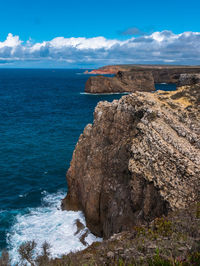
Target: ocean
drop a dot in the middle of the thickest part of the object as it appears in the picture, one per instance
(42, 114)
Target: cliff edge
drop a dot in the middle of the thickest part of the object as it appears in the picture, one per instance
(131, 78)
(139, 159)
(121, 82)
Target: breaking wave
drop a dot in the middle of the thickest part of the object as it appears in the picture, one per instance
(48, 223)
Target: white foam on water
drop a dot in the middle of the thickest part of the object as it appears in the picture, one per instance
(48, 223)
(22, 195)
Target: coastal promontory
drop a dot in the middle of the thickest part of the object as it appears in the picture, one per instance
(121, 82)
(131, 78)
(139, 160)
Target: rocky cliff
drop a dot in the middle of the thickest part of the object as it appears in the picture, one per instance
(172, 75)
(122, 82)
(113, 69)
(139, 159)
(188, 79)
(130, 78)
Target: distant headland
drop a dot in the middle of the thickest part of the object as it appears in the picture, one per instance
(130, 78)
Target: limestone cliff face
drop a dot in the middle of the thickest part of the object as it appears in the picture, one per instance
(130, 78)
(121, 82)
(113, 69)
(172, 75)
(139, 158)
(189, 79)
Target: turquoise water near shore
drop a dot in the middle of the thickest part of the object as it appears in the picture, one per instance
(42, 113)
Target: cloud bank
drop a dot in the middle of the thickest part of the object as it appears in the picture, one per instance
(159, 47)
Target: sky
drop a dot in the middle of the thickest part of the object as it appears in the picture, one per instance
(89, 34)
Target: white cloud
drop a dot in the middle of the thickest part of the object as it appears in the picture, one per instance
(11, 41)
(159, 47)
(82, 43)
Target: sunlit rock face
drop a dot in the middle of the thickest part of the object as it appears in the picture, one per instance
(122, 82)
(131, 78)
(139, 158)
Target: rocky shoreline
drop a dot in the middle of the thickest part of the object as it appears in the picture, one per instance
(135, 175)
(138, 161)
(171, 240)
(139, 78)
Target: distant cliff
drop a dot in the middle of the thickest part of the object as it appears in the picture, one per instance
(188, 79)
(130, 78)
(139, 159)
(121, 82)
(113, 69)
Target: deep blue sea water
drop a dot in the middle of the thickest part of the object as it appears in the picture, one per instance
(42, 113)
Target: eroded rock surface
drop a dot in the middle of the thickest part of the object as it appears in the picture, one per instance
(130, 78)
(122, 82)
(188, 79)
(139, 158)
(113, 69)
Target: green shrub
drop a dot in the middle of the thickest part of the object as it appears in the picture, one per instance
(163, 227)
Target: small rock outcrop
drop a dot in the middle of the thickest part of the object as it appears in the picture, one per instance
(122, 82)
(139, 159)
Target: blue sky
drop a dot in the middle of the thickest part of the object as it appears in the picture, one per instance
(43, 21)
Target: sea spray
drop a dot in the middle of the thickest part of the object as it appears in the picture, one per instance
(48, 223)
